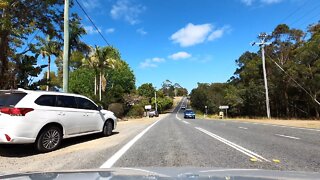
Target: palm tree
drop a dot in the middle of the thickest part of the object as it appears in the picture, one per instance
(100, 59)
(48, 49)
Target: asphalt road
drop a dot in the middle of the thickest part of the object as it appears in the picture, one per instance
(172, 141)
(178, 142)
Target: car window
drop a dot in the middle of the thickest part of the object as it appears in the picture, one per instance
(46, 100)
(8, 99)
(66, 101)
(85, 104)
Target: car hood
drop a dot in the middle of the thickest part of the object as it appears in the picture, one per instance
(166, 173)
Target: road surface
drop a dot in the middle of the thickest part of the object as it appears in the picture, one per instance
(172, 141)
(175, 141)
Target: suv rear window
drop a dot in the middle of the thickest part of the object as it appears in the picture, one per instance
(10, 99)
(46, 100)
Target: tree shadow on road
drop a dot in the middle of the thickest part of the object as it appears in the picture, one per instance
(24, 150)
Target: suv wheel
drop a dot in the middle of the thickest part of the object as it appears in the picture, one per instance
(49, 139)
(107, 128)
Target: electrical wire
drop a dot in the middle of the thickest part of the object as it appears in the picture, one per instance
(92, 22)
(293, 80)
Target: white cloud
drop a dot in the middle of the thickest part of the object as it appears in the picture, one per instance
(126, 10)
(91, 29)
(158, 60)
(247, 2)
(218, 33)
(180, 55)
(141, 31)
(191, 34)
(110, 30)
(90, 5)
(196, 34)
(268, 2)
(151, 63)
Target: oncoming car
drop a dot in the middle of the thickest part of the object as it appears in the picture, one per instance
(188, 113)
(45, 118)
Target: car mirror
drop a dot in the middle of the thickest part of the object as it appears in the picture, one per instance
(99, 108)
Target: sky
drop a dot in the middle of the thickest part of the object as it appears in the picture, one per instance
(188, 41)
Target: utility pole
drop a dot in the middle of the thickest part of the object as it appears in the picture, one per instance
(66, 47)
(262, 44)
(155, 100)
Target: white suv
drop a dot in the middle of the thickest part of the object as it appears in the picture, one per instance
(45, 118)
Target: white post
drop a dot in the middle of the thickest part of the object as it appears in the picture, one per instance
(265, 81)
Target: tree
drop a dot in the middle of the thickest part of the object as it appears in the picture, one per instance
(101, 59)
(49, 48)
(146, 90)
(121, 80)
(81, 82)
(21, 19)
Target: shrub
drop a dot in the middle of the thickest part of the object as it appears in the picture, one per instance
(117, 109)
(136, 111)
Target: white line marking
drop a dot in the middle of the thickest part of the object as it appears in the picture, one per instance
(177, 115)
(242, 128)
(113, 159)
(291, 137)
(235, 146)
(186, 122)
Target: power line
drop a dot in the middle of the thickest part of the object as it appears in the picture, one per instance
(305, 14)
(92, 22)
(293, 80)
(28, 42)
(293, 12)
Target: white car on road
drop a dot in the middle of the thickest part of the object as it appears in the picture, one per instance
(45, 118)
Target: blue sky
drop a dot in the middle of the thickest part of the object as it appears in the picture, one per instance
(188, 41)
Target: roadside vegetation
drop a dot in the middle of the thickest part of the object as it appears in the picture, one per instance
(297, 52)
(31, 36)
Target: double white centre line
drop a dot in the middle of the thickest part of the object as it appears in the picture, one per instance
(235, 146)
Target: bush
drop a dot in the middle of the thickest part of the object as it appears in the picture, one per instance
(117, 109)
(136, 111)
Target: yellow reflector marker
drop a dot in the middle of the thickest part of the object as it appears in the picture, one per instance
(253, 160)
(276, 160)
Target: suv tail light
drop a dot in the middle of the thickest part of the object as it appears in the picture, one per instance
(16, 111)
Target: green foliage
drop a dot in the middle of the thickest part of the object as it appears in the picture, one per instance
(164, 103)
(146, 90)
(81, 81)
(120, 81)
(297, 53)
(136, 111)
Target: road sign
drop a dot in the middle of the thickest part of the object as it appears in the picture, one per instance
(223, 107)
(147, 107)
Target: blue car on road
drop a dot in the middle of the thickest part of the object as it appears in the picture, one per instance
(188, 113)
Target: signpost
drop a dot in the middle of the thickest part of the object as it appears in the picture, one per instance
(147, 107)
(206, 107)
(226, 108)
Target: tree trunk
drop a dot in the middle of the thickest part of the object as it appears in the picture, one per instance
(48, 73)
(286, 99)
(317, 113)
(4, 44)
(100, 86)
(95, 85)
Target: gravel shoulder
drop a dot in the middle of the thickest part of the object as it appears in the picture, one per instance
(84, 152)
